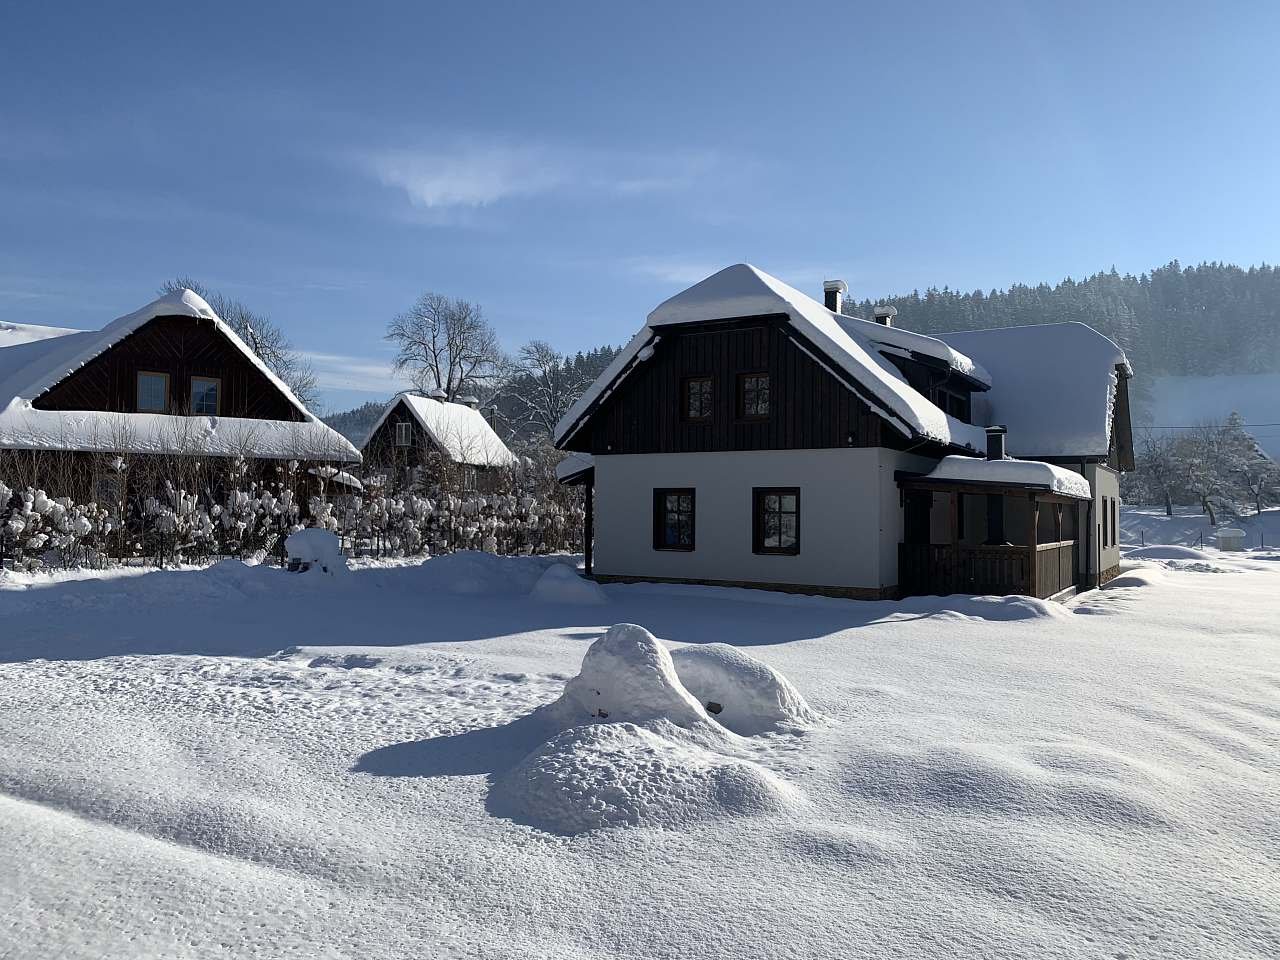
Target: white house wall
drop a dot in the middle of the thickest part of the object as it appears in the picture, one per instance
(850, 516)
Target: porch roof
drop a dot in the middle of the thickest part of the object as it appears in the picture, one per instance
(977, 475)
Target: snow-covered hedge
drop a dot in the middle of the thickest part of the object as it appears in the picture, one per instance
(193, 517)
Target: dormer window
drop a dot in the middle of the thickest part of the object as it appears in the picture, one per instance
(404, 433)
(153, 392)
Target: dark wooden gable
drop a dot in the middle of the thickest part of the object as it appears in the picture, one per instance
(809, 407)
(181, 348)
(380, 449)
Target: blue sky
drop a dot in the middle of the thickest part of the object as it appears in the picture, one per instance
(571, 165)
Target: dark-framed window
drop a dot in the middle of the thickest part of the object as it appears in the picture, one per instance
(1115, 521)
(753, 396)
(153, 392)
(206, 396)
(673, 518)
(776, 520)
(696, 397)
(404, 433)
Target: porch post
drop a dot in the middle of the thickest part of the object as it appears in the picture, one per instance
(1033, 568)
(588, 523)
(1057, 523)
(954, 521)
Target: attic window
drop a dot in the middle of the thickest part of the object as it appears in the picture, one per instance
(153, 392)
(205, 396)
(697, 399)
(753, 396)
(404, 433)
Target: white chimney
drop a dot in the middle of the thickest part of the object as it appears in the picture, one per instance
(833, 292)
(884, 314)
(470, 401)
(438, 394)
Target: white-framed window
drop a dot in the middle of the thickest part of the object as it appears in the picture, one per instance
(153, 392)
(404, 433)
(205, 394)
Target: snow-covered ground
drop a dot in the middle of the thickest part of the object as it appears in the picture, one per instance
(240, 762)
(1149, 525)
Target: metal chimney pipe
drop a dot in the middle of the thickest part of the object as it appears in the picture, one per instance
(995, 442)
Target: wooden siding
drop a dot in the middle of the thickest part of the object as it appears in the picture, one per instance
(181, 348)
(380, 449)
(809, 407)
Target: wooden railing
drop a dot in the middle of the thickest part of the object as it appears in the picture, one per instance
(1056, 566)
(940, 568)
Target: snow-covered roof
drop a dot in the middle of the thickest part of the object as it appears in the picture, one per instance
(11, 334)
(894, 341)
(456, 429)
(1010, 472)
(745, 291)
(34, 364)
(1053, 386)
(334, 475)
(574, 465)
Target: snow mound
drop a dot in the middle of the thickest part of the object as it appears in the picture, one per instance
(473, 572)
(745, 695)
(962, 607)
(627, 676)
(561, 583)
(623, 775)
(1167, 552)
(319, 550)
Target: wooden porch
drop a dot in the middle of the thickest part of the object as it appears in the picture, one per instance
(1042, 570)
(943, 558)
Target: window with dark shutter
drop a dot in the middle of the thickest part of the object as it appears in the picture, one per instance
(673, 518)
(776, 527)
(753, 396)
(697, 399)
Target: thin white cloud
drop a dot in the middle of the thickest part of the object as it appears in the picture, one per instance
(479, 174)
(335, 371)
(468, 176)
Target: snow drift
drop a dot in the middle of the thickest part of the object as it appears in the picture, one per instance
(561, 583)
(748, 697)
(632, 746)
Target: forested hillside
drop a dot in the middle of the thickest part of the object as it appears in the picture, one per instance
(1174, 320)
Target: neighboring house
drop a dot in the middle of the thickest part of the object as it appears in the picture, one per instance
(749, 435)
(418, 434)
(169, 380)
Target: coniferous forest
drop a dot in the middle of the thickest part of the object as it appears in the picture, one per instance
(1174, 320)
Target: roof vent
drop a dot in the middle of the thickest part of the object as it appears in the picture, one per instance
(438, 394)
(833, 292)
(884, 314)
(995, 442)
(470, 400)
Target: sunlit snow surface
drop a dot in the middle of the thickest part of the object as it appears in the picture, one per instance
(241, 762)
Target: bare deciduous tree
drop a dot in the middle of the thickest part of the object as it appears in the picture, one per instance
(548, 387)
(263, 337)
(446, 344)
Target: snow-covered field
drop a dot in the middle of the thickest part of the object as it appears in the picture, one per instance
(240, 762)
(1149, 525)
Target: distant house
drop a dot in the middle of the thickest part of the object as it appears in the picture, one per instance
(749, 435)
(418, 434)
(169, 380)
